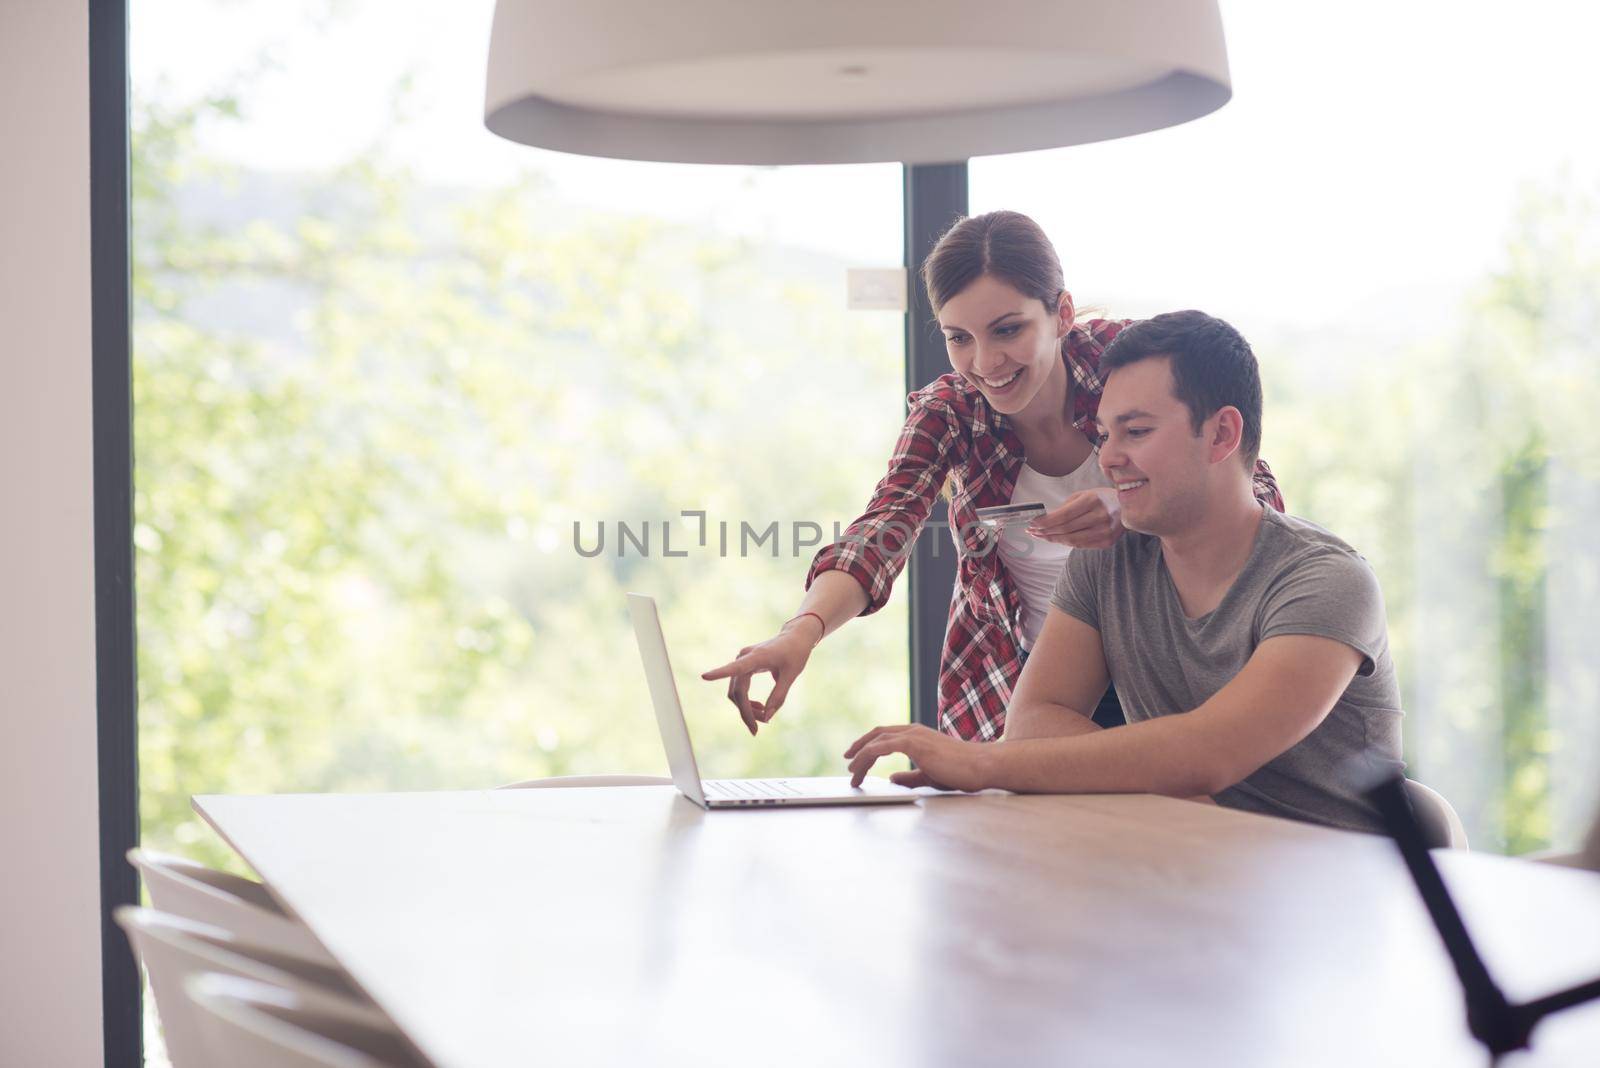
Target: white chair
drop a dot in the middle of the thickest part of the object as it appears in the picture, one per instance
(182, 887)
(1440, 825)
(246, 1024)
(173, 948)
(559, 781)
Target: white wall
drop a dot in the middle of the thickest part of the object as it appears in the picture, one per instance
(49, 859)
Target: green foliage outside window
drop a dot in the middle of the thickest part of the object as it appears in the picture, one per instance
(369, 416)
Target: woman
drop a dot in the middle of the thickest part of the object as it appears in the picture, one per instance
(1013, 423)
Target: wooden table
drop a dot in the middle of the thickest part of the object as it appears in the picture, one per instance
(626, 926)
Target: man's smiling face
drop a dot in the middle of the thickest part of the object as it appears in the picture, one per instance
(1150, 451)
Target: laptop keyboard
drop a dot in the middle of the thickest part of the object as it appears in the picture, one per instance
(742, 789)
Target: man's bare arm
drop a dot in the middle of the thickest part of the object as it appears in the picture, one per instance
(1286, 689)
(1061, 684)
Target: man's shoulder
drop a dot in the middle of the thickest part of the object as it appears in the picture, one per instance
(1297, 536)
(1296, 546)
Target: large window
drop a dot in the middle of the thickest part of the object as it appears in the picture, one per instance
(397, 380)
(414, 407)
(1400, 209)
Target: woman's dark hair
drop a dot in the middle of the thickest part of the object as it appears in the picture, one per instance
(1005, 244)
(1212, 367)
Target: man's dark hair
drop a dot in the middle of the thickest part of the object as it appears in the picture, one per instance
(1212, 367)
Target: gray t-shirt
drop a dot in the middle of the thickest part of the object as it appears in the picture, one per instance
(1299, 579)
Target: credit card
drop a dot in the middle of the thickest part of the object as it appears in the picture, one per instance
(1010, 515)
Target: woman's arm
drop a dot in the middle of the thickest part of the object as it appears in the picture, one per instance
(855, 574)
(875, 547)
(834, 596)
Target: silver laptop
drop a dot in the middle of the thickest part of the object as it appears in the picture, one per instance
(731, 793)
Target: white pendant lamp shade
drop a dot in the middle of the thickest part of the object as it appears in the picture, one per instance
(846, 81)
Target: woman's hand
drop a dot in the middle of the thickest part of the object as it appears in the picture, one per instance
(942, 761)
(1091, 519)
(783, 656)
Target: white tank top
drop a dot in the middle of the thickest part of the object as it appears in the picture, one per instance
(1034, 565)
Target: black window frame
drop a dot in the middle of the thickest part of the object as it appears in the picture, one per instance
(116, 711)
(935, 197)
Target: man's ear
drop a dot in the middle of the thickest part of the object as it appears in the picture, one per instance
(1227, 433)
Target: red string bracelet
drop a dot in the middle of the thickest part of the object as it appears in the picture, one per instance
(820, 623)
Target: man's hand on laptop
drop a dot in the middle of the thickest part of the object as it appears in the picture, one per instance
(783, 656)
(942, 761)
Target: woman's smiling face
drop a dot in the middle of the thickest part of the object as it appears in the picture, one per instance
(1002, 341)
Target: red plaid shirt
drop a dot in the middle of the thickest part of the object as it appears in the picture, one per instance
(951, 431)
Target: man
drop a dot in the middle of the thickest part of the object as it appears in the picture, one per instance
(1249, 648)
